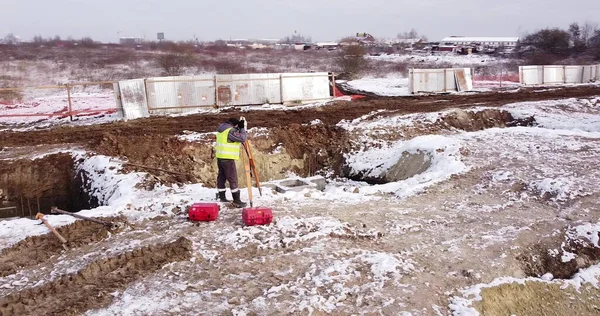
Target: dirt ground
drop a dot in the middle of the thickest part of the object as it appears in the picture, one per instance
(464, 231)
(91, 286)
(37, 249)
(330, 115)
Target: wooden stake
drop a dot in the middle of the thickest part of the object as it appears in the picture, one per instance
(247, 174)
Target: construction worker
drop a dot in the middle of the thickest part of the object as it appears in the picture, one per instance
(230, 135)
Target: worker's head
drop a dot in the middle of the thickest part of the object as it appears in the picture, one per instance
(233, 121)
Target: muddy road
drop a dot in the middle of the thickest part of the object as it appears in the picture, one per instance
(330, 115)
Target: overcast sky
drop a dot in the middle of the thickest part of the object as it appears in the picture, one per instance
(320, 19)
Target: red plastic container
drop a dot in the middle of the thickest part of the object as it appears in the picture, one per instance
(257, 216)
(204, 212)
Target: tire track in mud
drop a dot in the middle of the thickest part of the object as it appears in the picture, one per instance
(37, 249)
(90, 287)
(329, 115)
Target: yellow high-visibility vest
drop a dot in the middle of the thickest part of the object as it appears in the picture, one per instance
(226, 150)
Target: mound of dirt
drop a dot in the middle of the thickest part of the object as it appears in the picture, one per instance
(305, 149)
(479, 120)
(91, 287)
(157, 151)
(547, 256)
(37, 249)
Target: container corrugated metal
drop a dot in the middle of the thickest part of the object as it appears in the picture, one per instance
(133, 98)
(531, 75)
(439, 80)
(305, 87)
(180, 94)
(553, 74)
(573, 74)
(248, 89)
(588, 73)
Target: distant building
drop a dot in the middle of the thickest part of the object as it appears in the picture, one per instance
(481, 41)
(365, 38)
(130, 40)
(327, 45)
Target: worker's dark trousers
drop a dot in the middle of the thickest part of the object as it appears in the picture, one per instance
(227, 172)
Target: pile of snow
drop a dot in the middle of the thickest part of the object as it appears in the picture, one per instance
(442, 151)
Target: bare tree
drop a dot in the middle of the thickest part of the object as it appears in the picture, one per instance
(173, 64)
(10, 39)
(412, 34)
(579, 45)
(588, 29)
(351, 60)
(296, 38)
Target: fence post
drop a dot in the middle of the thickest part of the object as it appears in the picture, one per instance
(543, 75)
(281, 87)
(521, 71)
(445, 83)
(216, 92)
(564, 74)
(70, 104)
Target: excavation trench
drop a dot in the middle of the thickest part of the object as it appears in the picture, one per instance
(301, 149)
(304, 150)
(31, 186)
(410, 164)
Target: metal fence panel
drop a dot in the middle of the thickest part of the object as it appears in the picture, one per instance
(573, 74)
(305, 87)
(531, 75)
(429, 80)
(440, 80)
(133, 98)
(553, 75)
(248, 89)
(178, 94)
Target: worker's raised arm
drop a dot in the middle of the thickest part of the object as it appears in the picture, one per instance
(237, 135)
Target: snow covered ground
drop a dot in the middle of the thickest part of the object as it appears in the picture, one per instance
(422, 246)
(442, 59)
(393, 85)
(52, 106)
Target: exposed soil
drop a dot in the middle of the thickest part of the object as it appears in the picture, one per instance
(546, 257)
(33, 186)
(537, 298)
(330, 115)
(91, 287)
(37, 249)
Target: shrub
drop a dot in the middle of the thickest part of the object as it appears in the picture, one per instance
(351, 60)
(173, 64)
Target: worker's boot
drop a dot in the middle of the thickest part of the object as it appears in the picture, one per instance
(222, 198)
(236, 199)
